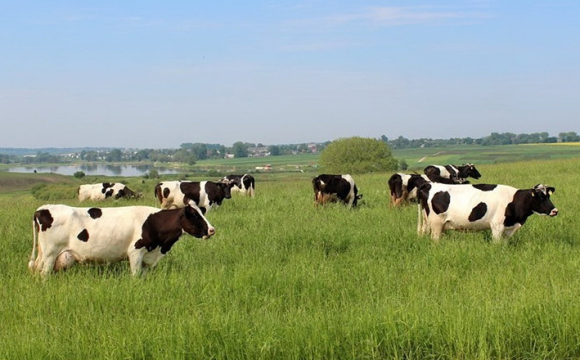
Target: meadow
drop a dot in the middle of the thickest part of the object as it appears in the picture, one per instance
(282, 279)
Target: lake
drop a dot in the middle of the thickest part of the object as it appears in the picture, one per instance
(96, 169)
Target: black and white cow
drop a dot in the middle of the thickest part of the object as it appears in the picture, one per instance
(500, 208)
(335, 188)
(141, 234)
(205, 194)
(403, 187)
(244, 184)
(102, 191)
(451, 174)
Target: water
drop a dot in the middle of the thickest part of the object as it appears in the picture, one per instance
(95, 169)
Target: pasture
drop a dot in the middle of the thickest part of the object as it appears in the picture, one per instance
(284, 280)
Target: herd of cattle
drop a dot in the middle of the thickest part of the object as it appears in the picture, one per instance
(144, 234)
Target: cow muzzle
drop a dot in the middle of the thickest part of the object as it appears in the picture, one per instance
(210, 233)
(554, 212)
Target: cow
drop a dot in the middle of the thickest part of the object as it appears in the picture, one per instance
(335, 188)
(244, 184)
(141, 234)
(500, 208)
(451, 174)
(106, 190)
(205, 194)
(403, 187)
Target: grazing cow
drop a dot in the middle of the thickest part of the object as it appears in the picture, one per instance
(205, 194)
(403, 187)
(500, 208)
(102, 191)
(335, 188)
(141, 234)
(451, 174)
(244, 184)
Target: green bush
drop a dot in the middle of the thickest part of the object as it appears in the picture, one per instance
(356, 155)
(79, 174)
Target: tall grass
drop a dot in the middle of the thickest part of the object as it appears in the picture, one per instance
(282, 279)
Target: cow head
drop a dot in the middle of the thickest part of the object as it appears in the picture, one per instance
(468, 170)
(226, 188)
(356, 199)
(195, 223)
(235, 181)
(541, 202)
(127, 194)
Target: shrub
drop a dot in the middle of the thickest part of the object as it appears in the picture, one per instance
(356, 155)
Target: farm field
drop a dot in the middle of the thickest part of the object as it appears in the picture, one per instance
(282, 279)
(416, 158)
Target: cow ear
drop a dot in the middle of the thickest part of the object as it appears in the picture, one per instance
(551, 190)
(533, 192)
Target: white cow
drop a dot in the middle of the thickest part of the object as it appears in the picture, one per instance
(244, 184)
(205, 194)
(141, 234)
(500, 208)
(102, 191)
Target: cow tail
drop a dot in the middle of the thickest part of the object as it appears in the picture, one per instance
(34, 235)
(419, 218)
(157, 193)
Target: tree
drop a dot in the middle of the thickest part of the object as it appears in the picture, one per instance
(240, 149)
(114, 156)
(569, 136)
(184, 156)
(274, 150)
(356, 155)
(403, 165)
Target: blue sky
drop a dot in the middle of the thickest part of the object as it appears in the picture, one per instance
(152, 74)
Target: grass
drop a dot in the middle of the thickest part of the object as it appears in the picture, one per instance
(281, 279)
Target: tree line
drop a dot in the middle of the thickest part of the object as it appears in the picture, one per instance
(494, 138)
(190, 153)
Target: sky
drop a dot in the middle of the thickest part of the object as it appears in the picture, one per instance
(156, 74)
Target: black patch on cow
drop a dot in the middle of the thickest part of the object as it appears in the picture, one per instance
(468, 170)
(249, 182)
(217, 192)
(44, 218)
(191, 191)
(95, 213)
(163, 228)
(478, 212)
(109, 193)
(396, 186)
(83, 235)
(423, 196)
(524, 204)
(106, 185)
(485, 187)
(440, 202)
(120, 194)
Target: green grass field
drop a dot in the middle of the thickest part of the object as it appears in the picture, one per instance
(416, 158)
(284, 280)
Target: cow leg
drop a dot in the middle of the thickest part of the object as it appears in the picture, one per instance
(136, 261)
(48, 262)
(498, 231)
(509, 232)
(436, 228)
(422, 222)
(37, 266)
